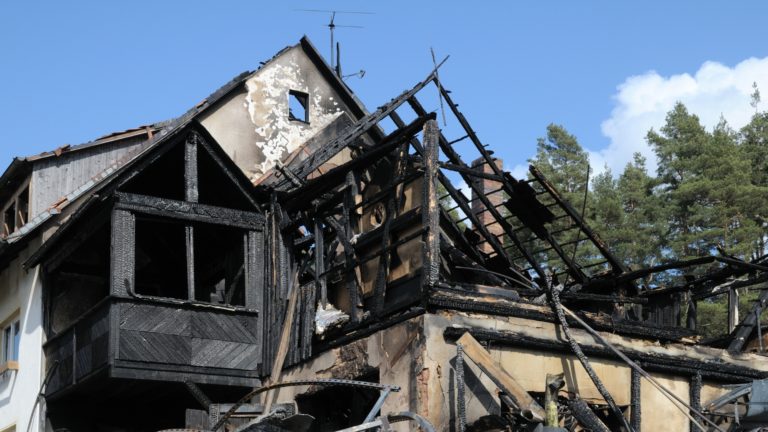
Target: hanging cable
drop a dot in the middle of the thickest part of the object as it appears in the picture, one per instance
(677, 402)
(558, 309)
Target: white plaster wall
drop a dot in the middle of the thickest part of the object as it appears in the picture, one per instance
(22, 290)
(253, 126)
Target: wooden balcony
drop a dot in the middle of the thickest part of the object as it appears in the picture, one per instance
(156, 339)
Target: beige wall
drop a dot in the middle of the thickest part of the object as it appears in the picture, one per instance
(252, 124)
(416, 356)
(529, 368)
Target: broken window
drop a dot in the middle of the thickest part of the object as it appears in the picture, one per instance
(164, 248)
(161, 258)
(219, 265)
(298, 106)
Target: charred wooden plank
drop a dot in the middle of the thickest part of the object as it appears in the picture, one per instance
(191, 189)
(431, 209)
(586, 417)
(695, 395)
(713, 368)
(635, 413)
(497, 305)
(188, 211)
(349, 136)
(446, 220)
(747, 326)
(454, 157)
(529, 408)
(122, 260)
(304, 197)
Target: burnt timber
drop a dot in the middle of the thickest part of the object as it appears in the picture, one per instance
(191, 279)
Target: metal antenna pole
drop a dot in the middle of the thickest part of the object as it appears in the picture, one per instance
(331, 27)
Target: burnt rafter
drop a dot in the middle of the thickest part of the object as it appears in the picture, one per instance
(188, 211)
(335, 177)
(349, 136)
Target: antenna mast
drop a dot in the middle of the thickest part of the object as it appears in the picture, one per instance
(331, 27)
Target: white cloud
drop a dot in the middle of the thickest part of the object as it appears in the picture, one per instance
(643, 101)
(519, 171)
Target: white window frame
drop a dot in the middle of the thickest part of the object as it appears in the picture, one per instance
(11, 341)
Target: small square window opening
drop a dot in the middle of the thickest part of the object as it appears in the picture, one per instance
(298, 106)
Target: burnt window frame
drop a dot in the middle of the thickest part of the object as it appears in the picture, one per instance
(303, 99)
(191, 283)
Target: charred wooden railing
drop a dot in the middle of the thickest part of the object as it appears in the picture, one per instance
(151, 339)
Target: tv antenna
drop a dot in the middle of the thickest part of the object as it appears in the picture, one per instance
(333, 26)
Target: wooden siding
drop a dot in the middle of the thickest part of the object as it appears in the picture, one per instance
(56, 177)
(157, 341)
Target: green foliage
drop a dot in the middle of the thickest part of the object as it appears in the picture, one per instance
(710, 191)
(712, 313)
(565, 164)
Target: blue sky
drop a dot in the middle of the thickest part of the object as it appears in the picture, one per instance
(72, 71)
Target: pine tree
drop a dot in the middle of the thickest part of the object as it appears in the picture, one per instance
(754, 142)
(678, 148)
(640, 238)
(564, 162)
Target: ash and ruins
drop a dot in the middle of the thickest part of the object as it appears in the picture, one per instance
(279, 258)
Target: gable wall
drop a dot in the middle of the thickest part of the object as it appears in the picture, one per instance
(252, 124)
(56, 177)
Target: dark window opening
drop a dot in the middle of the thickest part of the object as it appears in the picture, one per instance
(298, 106)
(23, 207)
(219, 265)
(80, 281)
(161, 258)
(163, 178)
(216, 187)
(9, 219)
(339, 407)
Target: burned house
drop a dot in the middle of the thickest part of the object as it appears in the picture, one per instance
(279, 258)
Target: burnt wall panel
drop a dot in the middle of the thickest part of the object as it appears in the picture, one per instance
(92, 343)
(154, 347)
(59, 354)
(123, 253)
(155, 319)
(218, 326)
(224, 354)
